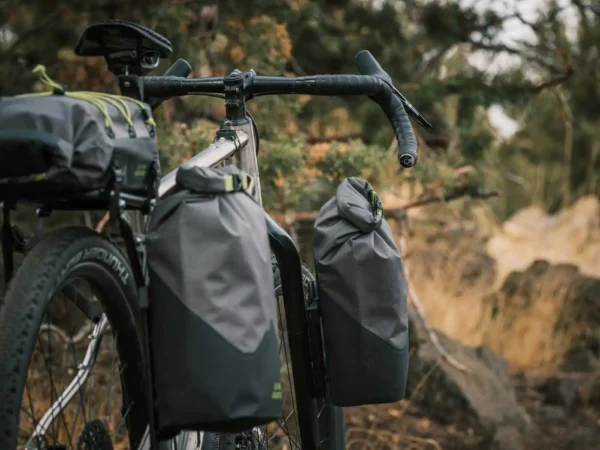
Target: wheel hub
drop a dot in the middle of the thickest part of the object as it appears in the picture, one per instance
(94, 436)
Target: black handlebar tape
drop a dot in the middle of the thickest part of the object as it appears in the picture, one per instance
(177, 86)
(367, 65)
(394, 109)
(376, 88)
(407, 141)
(341, 85)
(319, 85)
(383, 94)
(180, 68)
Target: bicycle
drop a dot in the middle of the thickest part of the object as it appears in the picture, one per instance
(118, 277)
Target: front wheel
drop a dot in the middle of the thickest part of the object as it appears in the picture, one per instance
(70, 354)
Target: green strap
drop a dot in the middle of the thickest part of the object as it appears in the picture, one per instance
(98, 99)
(230, 185)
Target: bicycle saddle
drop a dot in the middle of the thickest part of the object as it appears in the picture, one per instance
(127, 46)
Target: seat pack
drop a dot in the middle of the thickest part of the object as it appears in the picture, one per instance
(61, 143)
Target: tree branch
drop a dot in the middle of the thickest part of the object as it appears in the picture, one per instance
(455, 194)
(554, 81)
(458, 85)
(536, 59)
(431, 64)
(414, 299)
(568, 143)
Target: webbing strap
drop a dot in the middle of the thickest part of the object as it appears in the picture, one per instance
(98, 99)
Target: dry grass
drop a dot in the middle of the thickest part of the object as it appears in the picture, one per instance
(451, 280)
(527, 335)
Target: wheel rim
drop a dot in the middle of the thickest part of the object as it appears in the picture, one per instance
(58, 402)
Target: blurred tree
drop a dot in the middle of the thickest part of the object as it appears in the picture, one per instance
(424, 45)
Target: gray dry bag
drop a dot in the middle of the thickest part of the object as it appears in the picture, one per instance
(362, 296)
(213, 323)
(55, 145)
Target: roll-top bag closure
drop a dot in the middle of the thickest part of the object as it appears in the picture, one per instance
(205, 180)
(358, 203)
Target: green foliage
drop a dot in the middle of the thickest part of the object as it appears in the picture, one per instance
(421, 45)
(357, 160)
(179, 142)
(283, 181)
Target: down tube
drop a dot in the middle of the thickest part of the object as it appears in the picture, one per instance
(290, 269)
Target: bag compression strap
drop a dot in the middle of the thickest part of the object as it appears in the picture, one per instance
(98, 99)
(207, 180)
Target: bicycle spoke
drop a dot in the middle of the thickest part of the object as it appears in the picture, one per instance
(28, 393)
(108, 402)
(292, 441)
(72, 344)
(62, 415)
(56, 368)
(123, 419)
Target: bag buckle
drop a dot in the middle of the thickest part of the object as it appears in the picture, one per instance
(238, 183)
(376, 203)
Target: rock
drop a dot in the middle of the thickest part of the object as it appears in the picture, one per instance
(560, 391)
(591, 392)
(553, 305)
(507, 438)
(485, 396)
(571, 236)
(593, 341)
(582, 357)
(552, 413)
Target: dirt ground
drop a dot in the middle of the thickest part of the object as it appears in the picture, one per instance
(404, 426)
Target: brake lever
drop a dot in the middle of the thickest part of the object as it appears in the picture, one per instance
(412, 111)
(368, 65)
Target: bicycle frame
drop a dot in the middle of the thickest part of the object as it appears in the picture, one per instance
(236, 144)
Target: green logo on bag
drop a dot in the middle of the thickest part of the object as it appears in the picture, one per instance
(39, 176)
(276, 395)
(141, 170)
(377, 205)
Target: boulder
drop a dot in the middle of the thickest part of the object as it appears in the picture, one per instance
(484, 395)
(507, 438)
(560, 391)
(546, 317)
